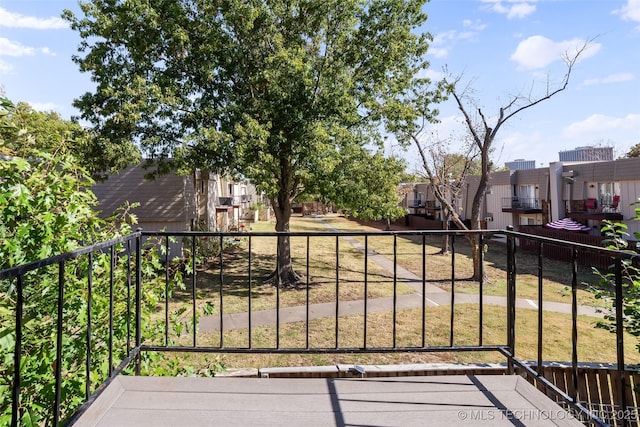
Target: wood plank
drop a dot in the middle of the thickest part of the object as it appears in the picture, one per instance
(615, 396)
(583, 393)
(594, 389)
(385, 401)
(605, 393)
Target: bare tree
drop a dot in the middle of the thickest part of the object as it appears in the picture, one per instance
(483, 135)
(447, 172)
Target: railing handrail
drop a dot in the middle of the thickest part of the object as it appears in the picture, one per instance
(66, 256)
(506, 349)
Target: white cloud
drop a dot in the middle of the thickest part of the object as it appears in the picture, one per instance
(538, 52)
(11, 48)
(44, 106)
(475, 26)
(512, 8)
(428, 73)
(517, 145)
(630, 11)
(612, 78)
(5, 68)
(443, 42)
(15, 20)
(599, 123)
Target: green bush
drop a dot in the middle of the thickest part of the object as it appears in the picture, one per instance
(47, 208)
(619, 239)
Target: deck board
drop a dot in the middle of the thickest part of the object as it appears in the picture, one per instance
(390, 401)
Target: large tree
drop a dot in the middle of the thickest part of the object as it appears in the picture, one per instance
(373, 184)
(274, 90)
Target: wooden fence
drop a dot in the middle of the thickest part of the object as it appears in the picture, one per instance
(561, 253)
(598, 386)
(599, 391)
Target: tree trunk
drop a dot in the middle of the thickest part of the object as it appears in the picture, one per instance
(445, 238)
(284, 275)
(476, 252)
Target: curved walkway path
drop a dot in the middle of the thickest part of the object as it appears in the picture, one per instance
(433, 296)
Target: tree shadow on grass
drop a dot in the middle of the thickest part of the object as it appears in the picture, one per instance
(235, 277)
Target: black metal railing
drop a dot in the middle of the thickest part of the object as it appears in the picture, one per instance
(520, 203)
(126, 274)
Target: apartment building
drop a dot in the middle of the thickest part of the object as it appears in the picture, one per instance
(588, 192)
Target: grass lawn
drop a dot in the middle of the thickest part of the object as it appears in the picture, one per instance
(594, 345)
(556, 286)
(325, 284)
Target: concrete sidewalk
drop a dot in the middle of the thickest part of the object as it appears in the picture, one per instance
(432, 297)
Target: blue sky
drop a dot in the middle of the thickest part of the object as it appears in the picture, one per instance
(500, 48)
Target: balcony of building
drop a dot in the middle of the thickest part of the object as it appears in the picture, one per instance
(427, 208)
(522, 205)
(596, 210)
(110, 363)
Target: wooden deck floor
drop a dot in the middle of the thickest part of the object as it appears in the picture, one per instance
(491, 400)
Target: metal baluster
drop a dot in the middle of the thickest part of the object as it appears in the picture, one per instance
(395, 287)
(366, 287)
(337, 286)
(250, 294)
(111, 305)
(89, 314)
(453, 287)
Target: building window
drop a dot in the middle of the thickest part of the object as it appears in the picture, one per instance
(606, 192)
(526, 195)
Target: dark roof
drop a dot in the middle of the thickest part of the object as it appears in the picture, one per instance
(164, 199)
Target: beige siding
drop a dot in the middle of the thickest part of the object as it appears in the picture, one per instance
(627, 170)
(629, 193)
(500, 178)
(494, 206)
(161, 199)
(175, 244)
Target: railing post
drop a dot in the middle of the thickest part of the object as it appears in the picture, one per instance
(481, 288)
(395, 289)
(59, 326)
(574, 324)
(366, 289)
(17, 356)
(337, 308)
(138, 297)
(511, 296)
(194, 314)
(620, 344)
(87, 367)
(220, 290)
(540, 309)
(111, 305)
(453, 289)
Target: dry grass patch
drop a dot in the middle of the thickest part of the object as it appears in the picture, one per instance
(594, 345)
(557, 279)
(329, 276)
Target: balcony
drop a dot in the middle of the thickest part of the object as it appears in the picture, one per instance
(426, 207)
(106, 372)
(590, 209)
(228, 203)
(521, 205)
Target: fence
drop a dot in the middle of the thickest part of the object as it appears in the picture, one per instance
(564, 253)
(97, 338)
